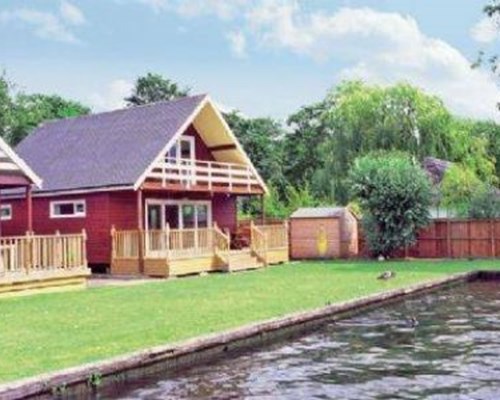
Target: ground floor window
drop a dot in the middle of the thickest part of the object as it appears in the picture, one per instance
(178, 214)
(5, 212)
(67, 209)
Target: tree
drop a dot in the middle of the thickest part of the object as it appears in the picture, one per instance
(6, 108)
(356, 118)
(489, 134)
(154, 87)
(297, 197)
(485, 204)
(262, 140)
(30, 110)
(458, 186)
(21, 113)
(492, 11)
(395, 195)
(303, 148)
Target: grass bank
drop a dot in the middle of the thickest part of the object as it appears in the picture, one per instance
(48, 332)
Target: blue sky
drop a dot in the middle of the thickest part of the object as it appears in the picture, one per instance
(263, 57)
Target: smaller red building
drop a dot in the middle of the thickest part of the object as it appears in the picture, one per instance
(169, 165)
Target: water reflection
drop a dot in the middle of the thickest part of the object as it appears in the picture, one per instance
(453, 353)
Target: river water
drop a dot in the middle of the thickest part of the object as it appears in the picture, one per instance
(453, 352)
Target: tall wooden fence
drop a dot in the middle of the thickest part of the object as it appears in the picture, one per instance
(452, 238)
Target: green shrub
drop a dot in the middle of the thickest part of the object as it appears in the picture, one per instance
(485, 204)
(458, 186)
(395, 195)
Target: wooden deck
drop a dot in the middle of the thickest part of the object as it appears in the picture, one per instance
(176, 252)
(42, 262)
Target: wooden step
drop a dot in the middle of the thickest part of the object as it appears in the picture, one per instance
(243, 259)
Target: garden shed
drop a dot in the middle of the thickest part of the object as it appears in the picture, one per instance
(323, 232)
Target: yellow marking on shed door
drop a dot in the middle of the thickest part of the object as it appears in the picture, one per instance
(322, 241)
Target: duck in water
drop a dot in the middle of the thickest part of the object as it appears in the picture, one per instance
(386, 275)
(413, 322)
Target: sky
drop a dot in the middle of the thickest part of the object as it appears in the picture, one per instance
(262, 57)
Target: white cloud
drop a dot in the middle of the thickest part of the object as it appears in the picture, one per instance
(71, 14)
(44, 24)
(47, 25)
(487, 30)
(222, 9)
(113, 96)
(238, 42)
(379, 47)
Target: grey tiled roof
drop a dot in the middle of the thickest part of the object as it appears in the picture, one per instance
(436, 168)
(318, 212)
(107, 149)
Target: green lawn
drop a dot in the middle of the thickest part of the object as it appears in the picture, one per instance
(47, 332)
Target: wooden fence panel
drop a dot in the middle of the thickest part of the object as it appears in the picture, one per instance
(451, 238)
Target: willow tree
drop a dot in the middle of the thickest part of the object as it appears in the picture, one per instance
(365, 118)
(356, 118)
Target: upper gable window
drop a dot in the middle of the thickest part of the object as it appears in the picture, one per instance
(183, 149)
(68, 209)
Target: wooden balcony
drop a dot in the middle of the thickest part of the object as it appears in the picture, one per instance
(196, 175)
(34, 262)
(173, 252)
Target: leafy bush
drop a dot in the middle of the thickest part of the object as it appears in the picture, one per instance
(485, 204)
(297, 197)
(395, 195)
(458, 187)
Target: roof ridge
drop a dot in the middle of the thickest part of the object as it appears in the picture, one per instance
(119, 110)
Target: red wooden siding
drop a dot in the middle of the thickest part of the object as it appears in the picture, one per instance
(104, 210)
(118, 208)
(201, 151)
(96, 221)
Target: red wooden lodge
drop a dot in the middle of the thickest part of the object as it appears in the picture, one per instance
(28, 261)
(155, 188)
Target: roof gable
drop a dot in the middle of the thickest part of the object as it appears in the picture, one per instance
(12, 164)
(213, 130)
(108, 149)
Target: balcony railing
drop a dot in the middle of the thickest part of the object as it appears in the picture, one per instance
(204, 174)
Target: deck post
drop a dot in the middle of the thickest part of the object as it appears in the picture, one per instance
(140, 236)
(167, 241)
(28, 253)
(29, 209)
(262, 210)
(84, 248)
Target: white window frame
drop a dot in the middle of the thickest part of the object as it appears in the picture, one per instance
(177, 148)
(178, 203)
(6, 207)
(75, 203)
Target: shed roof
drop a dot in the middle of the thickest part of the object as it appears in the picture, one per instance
(318, 212)
(106, 149)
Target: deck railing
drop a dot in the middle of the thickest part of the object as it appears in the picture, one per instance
(222, 244)
(23, 255)
(276, 235)
(125, 244)
(173, 244)
(206, 174)
(258, 242)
